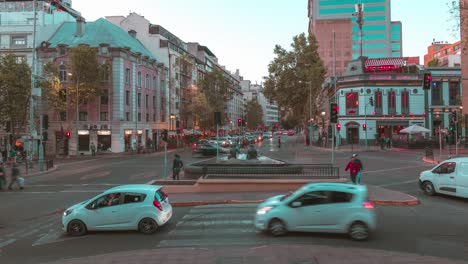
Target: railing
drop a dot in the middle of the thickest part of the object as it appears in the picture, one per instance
(270, 171)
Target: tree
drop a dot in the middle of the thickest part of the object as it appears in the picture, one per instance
(296, 75)
(254, 113)
(53, 91)
(202, 111)
(184, 65)
(15, 93)
(433, 63)
(216, 89)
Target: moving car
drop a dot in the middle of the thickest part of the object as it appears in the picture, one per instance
(209, 149)
(139, 207)
(267, 135)
(319, 207)
(448, 177)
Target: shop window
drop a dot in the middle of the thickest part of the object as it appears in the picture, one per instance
(352, 103)
(405, 103)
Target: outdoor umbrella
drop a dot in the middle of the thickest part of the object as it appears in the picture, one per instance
(414, 129)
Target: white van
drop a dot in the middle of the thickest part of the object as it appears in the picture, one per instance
(449, 177)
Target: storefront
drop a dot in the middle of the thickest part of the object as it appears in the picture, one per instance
(104, 140)
(83, 140)
(128, 140)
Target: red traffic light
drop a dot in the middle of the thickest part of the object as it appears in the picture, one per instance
(364, 126)
(67, 134)
(338, 127)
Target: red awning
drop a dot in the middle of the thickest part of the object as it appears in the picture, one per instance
(384, 62)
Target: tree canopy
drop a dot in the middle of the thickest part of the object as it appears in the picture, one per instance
(294, 75)
(254, 114)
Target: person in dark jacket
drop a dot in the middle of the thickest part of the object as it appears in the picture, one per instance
(176, 167)
(355, 167)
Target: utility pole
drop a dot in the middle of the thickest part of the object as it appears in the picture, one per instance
(310, 113)
(359, 8)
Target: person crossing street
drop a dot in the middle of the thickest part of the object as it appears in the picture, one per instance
(176, 167)
(355, 168)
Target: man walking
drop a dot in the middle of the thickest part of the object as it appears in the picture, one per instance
(176, 167)
(355, 167)
(14, 176)
(93, 149)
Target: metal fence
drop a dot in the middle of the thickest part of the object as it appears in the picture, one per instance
(280, 171)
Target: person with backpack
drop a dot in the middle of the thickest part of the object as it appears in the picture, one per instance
(355, 167)
(15, 176)
(176, 167)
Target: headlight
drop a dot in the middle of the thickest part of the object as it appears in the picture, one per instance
(67, 212)
(264, 210)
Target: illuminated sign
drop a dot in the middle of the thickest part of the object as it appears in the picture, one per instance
(104, 132)
(128, 132)
(83, 132)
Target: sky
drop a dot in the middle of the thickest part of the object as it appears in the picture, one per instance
(243, 33)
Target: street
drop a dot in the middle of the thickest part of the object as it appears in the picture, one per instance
(31, 219)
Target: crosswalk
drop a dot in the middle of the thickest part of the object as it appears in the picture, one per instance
(215, 225)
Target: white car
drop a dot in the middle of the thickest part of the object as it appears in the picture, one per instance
(319, 207)
(449, 177)
(139, 207)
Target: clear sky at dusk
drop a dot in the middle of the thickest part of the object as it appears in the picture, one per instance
(243, 33)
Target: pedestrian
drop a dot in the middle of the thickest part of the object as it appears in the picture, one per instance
(387, 142)
(93, 149)
(2, 176)
(279, 142)
(176, 167)
(355, 167)
(15, 173)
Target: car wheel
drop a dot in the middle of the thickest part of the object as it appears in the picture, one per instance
(147, 226)
(428, 188)
(76, 228)
(359, 231)
(277, 228)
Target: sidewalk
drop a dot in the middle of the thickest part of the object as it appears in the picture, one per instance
(271, 254)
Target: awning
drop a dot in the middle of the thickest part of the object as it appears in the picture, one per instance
(384, 62)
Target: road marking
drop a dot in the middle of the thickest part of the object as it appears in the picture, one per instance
(215, 223)
(397, 183)
(95, 175)
(8, 242)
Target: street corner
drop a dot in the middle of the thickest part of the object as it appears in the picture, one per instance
(382, 196)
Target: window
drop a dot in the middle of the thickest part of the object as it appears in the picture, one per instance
(352, 103)
(18, 41)
(147, 118)
(134, 198)
(340, 197)
(139, 117)
(154, 102)
(104, 116)
(436, 93)
(139, 100)
(20, 59)
(83, 116)
(63, 73)
(405, 103)
(154, 117)
(147, 101)
(104, 72)
(454, 93)
(446, 168)
(105, 97)
(127, 97)
(154, 83)
(107, 200)
(127, 76)
(127, 116)
(391, 103)
(313, 198)
(63, 116)
(147, 84)
(378, 103)
(139, 79)
(160, 195)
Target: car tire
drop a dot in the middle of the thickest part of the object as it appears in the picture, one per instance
(359, 231)
(277, 228)
(428, 188)
(147, 226)
(76, 228)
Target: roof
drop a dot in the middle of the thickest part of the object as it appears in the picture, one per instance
(335, 185)
(135, 187)
(384, 62)
(96, 33)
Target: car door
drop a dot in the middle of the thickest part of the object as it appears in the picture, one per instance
(309, 215)
(462, 179)
(131, 208)
(103, 212)
(337, 211)
(445, 178)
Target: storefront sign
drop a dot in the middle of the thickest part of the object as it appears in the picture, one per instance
(83, 132)
(128, 132)
(140, 132)
(104, 132)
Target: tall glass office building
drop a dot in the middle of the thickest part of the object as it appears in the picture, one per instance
(336, 20)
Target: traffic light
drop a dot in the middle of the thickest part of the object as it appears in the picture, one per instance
(67, 134)
(427, 81)
(164, 135)
(338, 127)
(364, 127)
(371, 101)
(333, 113)
(239, 121)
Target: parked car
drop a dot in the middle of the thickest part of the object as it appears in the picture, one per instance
(291, 133)
(139, 207)
(448, 177)
(319, 207)
(209, 149)
(279, 132)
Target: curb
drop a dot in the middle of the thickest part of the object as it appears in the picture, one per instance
(42, 172)
(435, 162)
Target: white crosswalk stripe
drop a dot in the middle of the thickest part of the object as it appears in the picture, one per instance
(215, 225)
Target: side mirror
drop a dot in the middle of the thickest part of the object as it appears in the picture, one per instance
(296, 204)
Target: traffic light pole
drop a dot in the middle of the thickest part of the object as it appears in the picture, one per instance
(365, 123)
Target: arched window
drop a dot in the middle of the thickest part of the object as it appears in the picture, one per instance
(139, 79)
(63, 73)
(147, 81)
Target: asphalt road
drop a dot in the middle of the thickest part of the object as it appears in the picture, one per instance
(30, 220)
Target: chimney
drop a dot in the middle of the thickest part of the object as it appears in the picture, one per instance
(80, 26)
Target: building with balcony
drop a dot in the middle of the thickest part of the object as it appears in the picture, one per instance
(126, 115)
(447, 55)
(398, 99)
(334, 25)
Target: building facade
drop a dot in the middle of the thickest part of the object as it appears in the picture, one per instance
(126, 115)
(334, 25)
(447, 55)
(270, 110)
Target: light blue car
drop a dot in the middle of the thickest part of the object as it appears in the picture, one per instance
(139, 207)
(319, 207)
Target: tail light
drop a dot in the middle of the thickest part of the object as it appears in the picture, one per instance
(165, 194)
(368, 205)
(157, 204)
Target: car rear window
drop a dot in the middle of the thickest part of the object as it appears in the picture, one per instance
(341, 197)
(160, 195)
